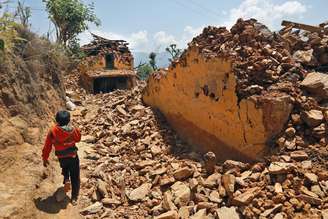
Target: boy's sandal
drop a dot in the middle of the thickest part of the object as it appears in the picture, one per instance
(74, 202)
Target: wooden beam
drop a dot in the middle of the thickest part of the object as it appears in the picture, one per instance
(303, 26)
(323, 24)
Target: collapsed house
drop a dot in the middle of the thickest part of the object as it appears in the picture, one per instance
(232, 92)
(108, 66)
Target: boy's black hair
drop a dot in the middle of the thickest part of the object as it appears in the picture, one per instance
(63, 117)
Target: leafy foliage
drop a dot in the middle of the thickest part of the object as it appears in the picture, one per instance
(144, 70)
(74, 49)
(19, 46)
(174, 52)
(70, 18)
(8, 33)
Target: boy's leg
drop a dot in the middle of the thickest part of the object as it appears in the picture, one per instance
(65, 169)
(75, 177)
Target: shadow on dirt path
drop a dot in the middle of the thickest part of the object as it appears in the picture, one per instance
(50, 205)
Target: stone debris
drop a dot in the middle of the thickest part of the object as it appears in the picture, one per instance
(215, 197)
(270, 211)
(310, 199)
(92, 209)
(278, 188)
(140, 193)
(184, 212)
(246, 197)
(280, 168)
(168, 215)
(201, 214)
(311, 177)
(102, 188)
(316, 83)
(325, 214)
(229, 213)
(290, 132)
(128, 176)
(110, 201)
(299, 155)
(88, 139)
(70, 105)
(228, 181)
(183, 173)
(139, 168)
(212, 180)
(312, 118)
(181, 194)
(278, 216)
(210, 161)
(167, 203)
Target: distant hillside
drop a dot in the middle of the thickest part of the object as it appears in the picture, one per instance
(161, 58)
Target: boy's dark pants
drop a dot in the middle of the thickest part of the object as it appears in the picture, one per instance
(71, 170)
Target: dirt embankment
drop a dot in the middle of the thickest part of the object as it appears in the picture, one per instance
(31, 90)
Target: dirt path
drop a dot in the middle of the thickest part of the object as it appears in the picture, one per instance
(32, 197)
(45, 200)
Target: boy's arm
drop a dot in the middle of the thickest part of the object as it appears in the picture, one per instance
(47, 147)
(77, 135)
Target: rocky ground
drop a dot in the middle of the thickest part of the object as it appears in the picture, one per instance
(136, 167)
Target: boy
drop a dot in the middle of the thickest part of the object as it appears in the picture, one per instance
(63, 138)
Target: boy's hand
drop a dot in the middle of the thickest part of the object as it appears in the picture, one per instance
(45, 163)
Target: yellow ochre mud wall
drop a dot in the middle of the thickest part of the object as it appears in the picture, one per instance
(93, 63)
(198, 99)
(118, 63)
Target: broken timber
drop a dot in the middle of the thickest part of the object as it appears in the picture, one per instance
(319, 29)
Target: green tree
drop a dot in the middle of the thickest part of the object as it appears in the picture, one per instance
(174, 52)
(144, 70)
(152, 61)
(70, 18)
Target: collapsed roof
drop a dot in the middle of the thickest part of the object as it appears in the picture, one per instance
(100, 44)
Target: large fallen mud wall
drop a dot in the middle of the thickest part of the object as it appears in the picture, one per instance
(198, 97)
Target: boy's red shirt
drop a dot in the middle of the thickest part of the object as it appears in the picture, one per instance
(63, 141)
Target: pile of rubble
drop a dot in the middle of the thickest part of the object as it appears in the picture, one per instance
(266, 61)
(309, 47)
(136, 167)
(263, 59)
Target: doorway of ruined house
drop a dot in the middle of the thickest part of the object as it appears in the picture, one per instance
(109, 84)
(109, 61)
